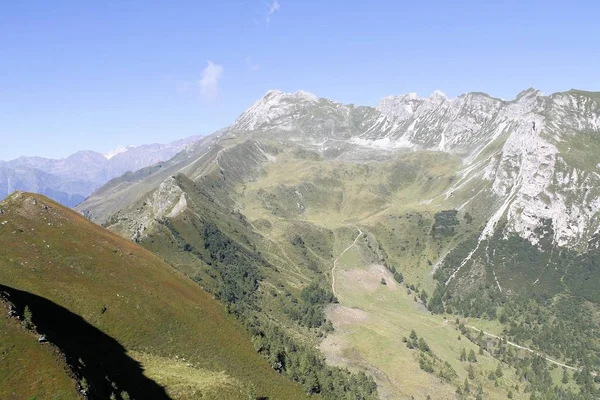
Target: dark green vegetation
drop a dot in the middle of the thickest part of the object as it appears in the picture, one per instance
(218, 249)
(549, 302)
(304, 364)
(82, 283)
(308, 310)
(444, 223)
(428, 361)
(534, 372)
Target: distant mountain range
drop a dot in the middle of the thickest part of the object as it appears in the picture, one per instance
(70, 180)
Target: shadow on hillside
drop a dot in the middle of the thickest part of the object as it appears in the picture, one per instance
(105, 362)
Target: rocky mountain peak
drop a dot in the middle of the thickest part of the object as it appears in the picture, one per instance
(399, 105)
(530, 92)
(274, 105)
(439, 94)
(301, 94)
(275, 95)
(528, 157)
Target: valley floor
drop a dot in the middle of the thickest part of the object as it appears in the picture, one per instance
(370, 322)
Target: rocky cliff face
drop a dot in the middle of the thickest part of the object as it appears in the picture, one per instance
(532, 154)
(531, 160)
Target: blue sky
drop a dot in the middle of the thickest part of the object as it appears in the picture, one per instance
(96, 75)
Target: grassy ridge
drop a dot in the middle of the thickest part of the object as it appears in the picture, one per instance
(219, 249)
(128, 293)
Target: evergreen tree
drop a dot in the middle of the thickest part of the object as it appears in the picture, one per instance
(27, 318)
(499, 372)
(472, 358)
(479, 393)
(471, 372)
(565, 377)
(463, 355)
(423, 346)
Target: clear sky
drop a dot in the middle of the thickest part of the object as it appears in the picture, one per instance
(100, 74)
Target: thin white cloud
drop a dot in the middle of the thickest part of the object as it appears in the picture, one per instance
(209, 83)
(273, 7)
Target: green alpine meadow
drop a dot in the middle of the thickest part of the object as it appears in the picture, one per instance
(299, 200)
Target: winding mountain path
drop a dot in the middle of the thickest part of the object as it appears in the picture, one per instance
(218, 157)
(529, 350)
(336, 260)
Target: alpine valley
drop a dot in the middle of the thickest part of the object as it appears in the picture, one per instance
(436, 247)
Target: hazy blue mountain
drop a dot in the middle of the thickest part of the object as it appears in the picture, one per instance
(70, 180)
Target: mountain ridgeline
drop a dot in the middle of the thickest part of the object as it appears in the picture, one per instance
(70, 180)
(484, 209)
(112, 319)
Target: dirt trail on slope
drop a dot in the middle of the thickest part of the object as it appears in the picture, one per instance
(336, 260)
(550, 360)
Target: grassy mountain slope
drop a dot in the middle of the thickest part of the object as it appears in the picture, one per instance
(28, 369)
(491, 216)
(290, 216)
(389, 201)
(286, 213)
(385, 200)
(112, 289)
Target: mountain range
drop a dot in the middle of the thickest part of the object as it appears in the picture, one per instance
(70, 180)
(534, 154)
(487, 208)
(426, 247)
